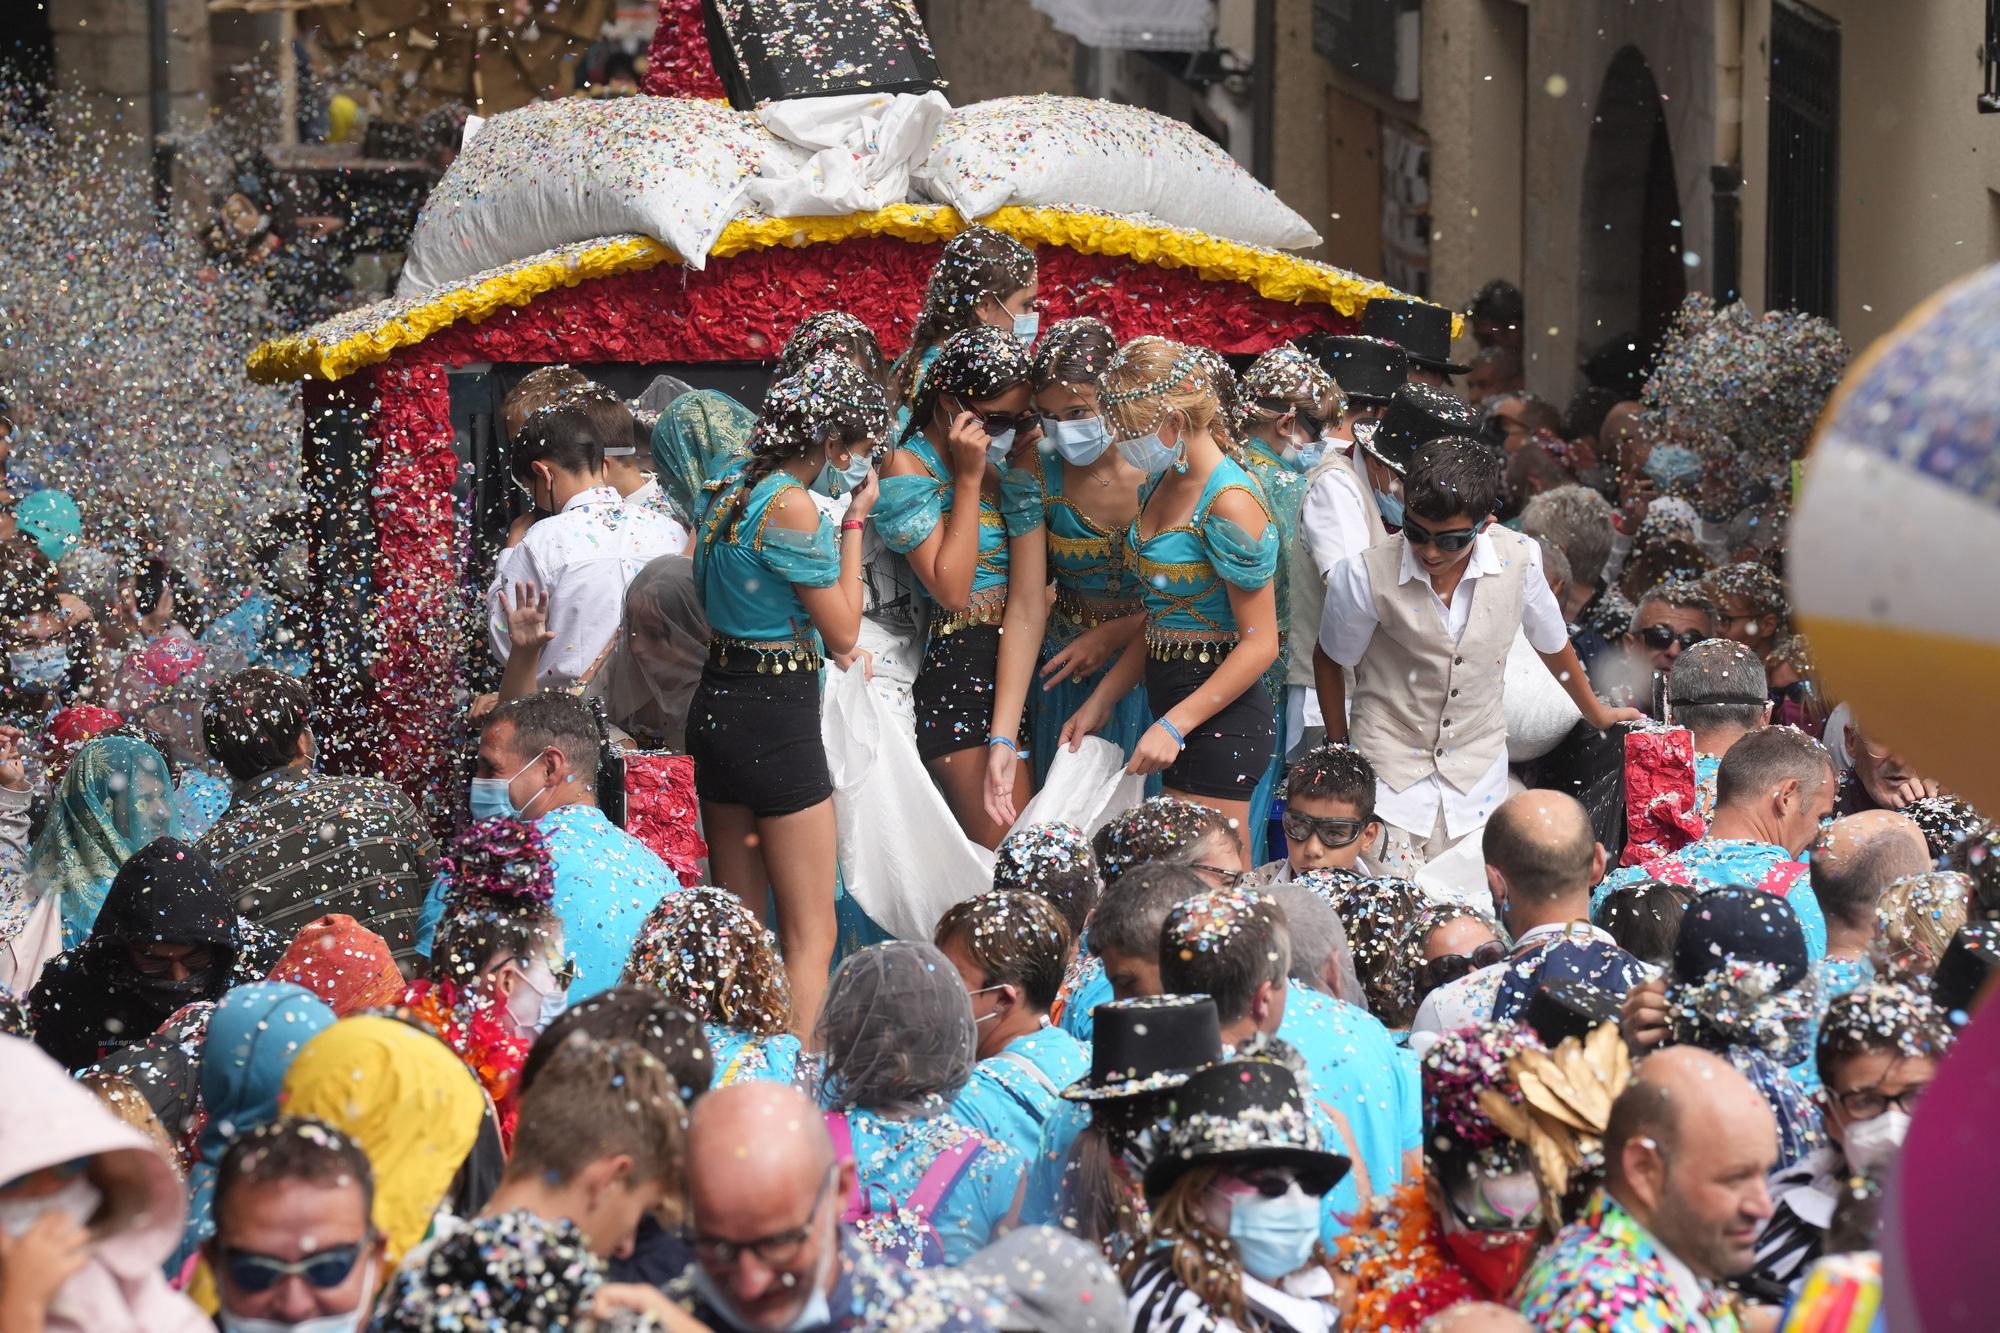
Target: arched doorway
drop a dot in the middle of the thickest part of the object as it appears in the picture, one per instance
(1631, 278)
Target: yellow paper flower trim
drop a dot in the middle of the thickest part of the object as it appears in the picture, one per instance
(339, 346)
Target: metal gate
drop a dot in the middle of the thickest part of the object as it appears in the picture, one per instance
(1801, 246)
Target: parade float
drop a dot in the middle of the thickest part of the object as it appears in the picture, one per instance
(673, 232)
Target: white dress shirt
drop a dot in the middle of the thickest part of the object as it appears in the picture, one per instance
(1349, 624)
(584, 558)
(1337, 518)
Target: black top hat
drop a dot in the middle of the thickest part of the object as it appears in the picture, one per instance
(1247, 1111)
(1421, 329)
(1560, 1009)
(1368, 370)
(1417, 415)
(1148, 1045)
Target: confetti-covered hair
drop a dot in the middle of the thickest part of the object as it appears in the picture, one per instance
(294, 1148)
(1451, 476)
(1881, 1016)
(1915, 919)
(1681, 594)
(1052, 861)
(635, 1014)
(1016, 939)
(974, 364)
(1665, 560)
(1225, 944)
(897, 1030)
(702, 948)
(1074, 352)
(500, 887)
(1228, 393)
(977, 265)
(1151, 377)
(1761, 590)
(1160, 829)
(537, 389)
(830, 399)
(1334, 772)
(597, 1099)
(1456, 1069)
(1283, 380)
(1383, 919)
(833, 331)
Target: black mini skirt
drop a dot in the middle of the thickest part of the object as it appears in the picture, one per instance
(1225, 757)
(755, 739)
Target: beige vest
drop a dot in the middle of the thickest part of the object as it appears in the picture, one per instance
(1421, 703)
(1308, 589)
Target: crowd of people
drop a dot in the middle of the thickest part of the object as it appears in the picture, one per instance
(1253, 1052)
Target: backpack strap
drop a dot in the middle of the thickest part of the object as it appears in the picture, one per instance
(842, 1135)
(1032, 1070)
(942, 1175)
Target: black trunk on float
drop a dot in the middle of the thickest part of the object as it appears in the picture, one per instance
(771, 50)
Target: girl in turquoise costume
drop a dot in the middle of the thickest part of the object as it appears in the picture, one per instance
(1287, 399)
(969, 520)
(982, 278)
(1090, 496)
(780, 590)
(1205, 550)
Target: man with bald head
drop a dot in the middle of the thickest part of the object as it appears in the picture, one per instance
(765, 1198)
(1686, 1153)
(1854, 859)
(1541, 860)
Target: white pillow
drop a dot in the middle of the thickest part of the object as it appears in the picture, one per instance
(1539, 712)
(576, 169)
(1079, 153)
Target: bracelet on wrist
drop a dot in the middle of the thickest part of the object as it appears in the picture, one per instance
(1171, 730)
(992, 741)
(852, 524)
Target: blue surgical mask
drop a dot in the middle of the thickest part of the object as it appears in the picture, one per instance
(1148, 453)
(856, 471)
(1391, 507)
(1311, 455)
(1274, 1237)
(1671, 464)
(1081, 442)
(999, 447)
(492, 798)
(1027, 326)
(41, 668)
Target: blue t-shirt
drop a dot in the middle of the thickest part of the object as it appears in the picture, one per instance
(891, 1156)
(745, 1057)
(1012, 1095)
(1722, 863)
(1046, 1201)
(1357, 1069)
(1083, 992)
(606, 883)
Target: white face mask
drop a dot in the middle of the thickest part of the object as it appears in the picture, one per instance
(78, 1200)
(354, 1321)
(817, 1312)
(1871, 1145)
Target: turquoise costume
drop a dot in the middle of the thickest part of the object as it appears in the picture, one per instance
(1094, 586)
(1011, 1096)
(1284, 487)
(891, 1157)
(1182, 571)
(1356, 1068)
(740, 1056)
(745, 567)
(911, 508)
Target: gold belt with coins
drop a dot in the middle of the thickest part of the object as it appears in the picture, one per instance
(1171, 645)
(985, 607)
(770, 655)
(1090, 612)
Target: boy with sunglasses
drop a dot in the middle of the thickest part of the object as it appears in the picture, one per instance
(1425, 622)
(1329, 817)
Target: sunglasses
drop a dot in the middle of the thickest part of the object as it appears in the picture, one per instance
(1444, 970)
(1661, 636)
(252, 1273)
(1455, 539)
(152, 965)
(1333, 834)
(1226, 879)
(996, 422)
(1276, 1182)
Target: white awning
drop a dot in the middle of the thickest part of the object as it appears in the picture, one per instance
(1135, 25)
